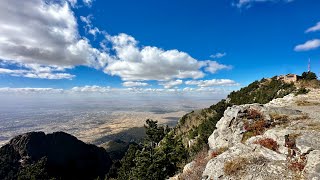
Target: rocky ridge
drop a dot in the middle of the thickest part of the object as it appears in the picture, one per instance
(59, 155)
(278, 140)
(296, 157)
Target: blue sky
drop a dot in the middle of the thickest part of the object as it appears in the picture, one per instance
(167, 46)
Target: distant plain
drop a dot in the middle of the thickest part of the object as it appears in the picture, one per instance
(91, 118)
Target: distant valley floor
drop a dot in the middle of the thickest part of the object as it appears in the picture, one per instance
(124, 125)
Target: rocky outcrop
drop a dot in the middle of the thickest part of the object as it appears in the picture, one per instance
(250, 162)
(62, 156)
(312, 169)
(279, 140)
(230, 128)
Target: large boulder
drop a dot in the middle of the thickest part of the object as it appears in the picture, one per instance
(230, 127)
(308, 141)
(249, 162)
(62, 156)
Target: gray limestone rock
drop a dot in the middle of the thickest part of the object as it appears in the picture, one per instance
(312, 169)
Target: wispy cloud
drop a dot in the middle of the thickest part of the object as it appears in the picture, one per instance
(314, 28)
(134, 84)
(88, 2)
(309, 45)
(36, 71)
(81, 90)
(249, 3)
(90, 29)
(73, 2)
(212, 82)
(214, 66)
(218, 55)
(30, 90)
(90, 89)
(171, 84)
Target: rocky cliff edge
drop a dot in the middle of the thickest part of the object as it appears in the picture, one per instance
(278, 140)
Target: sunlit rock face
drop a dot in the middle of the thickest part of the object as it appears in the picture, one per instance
(278, 140)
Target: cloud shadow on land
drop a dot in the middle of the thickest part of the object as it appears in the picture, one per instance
(135, 134)
(172, 121)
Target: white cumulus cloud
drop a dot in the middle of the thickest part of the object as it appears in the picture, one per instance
(44, 33)
(133, 63)
(309, 45)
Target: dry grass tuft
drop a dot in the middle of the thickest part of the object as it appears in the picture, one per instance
(279, 117)
(315, 126)
(235, 165)
(259, 126)
(256, 128)
(247, 135)
(268, 143)
(198, 167)
(294, 136)
(254, 124)
(297, 165)
(253, 114)
(303, 117)
(306, 103)
(218, 152)
(285, 120)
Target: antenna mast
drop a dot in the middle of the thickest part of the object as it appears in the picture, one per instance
(309, 66)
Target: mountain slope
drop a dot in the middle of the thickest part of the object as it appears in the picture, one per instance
(37, 155)
(191, 134)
